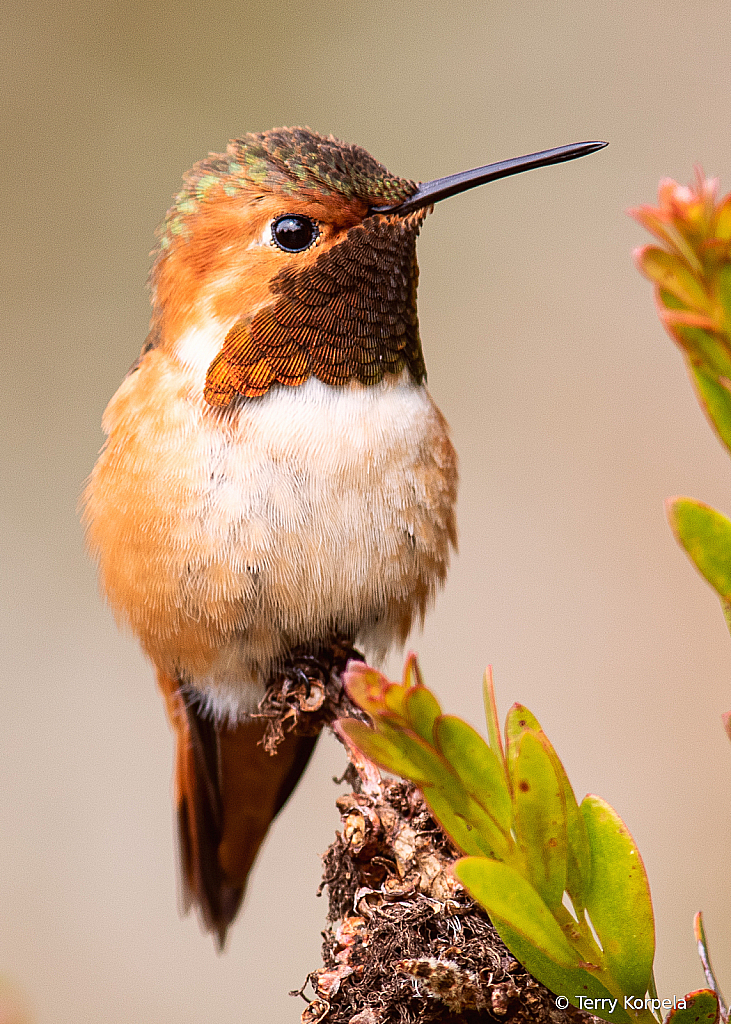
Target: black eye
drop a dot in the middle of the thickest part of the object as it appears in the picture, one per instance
(294, 233)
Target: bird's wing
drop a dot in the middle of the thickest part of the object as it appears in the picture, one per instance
(228, 792)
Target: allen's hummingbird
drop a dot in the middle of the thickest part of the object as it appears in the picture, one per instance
(276, 471)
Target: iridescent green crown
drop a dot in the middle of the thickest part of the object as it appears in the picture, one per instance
(285, 160)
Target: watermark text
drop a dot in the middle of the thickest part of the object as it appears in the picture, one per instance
(609, 1004)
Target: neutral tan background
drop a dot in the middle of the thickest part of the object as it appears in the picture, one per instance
(569, 406)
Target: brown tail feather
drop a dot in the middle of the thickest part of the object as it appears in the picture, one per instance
(228, 792)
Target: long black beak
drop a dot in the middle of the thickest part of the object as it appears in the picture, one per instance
(441, 188)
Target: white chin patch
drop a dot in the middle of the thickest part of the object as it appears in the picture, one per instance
(198, 347)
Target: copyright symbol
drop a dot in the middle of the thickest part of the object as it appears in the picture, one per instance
(562, 1002)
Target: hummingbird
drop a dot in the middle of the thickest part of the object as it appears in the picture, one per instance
(275, 470)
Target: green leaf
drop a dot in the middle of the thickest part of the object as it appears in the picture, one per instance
(618, 898)
(723, 219)
(366, 686)
(422, 709)
(723, 277)
(701, 1008)
(390, 756)
(506, 895)
(669, 301)
(540, 818)
(399, 750)
(394, 701)
(477, 766)
(519, 720)
(715, 399)
(429, 767)
(493, 724)
(705, 347)
(532, 934)
(672, 275)
(472, 827)
(578, 865)
(468, 826)
(706, 536)
(412, 672)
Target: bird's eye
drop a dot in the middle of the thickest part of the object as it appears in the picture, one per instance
(294, 233)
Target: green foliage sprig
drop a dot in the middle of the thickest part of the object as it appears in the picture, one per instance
(691, 271)
(563, 884)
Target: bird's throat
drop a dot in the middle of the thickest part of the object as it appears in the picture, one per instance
(351, 315)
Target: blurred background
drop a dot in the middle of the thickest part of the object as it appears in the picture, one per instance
(569, 406)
